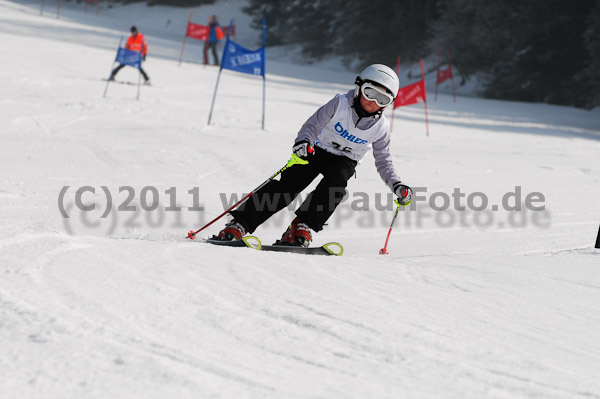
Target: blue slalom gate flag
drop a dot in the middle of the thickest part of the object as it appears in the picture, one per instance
(240, 59)
(126, 57)
(129, 57)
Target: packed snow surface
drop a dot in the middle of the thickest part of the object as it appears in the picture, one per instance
(118, 304)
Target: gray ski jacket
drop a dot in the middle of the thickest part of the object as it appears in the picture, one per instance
(322, 120)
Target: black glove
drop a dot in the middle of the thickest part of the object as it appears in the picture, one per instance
(144, 57)
(303, 149)
(404, 193)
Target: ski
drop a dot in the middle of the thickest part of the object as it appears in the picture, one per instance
(331, 248)
(246, 242)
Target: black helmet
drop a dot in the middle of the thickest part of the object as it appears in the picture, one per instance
(133, 29)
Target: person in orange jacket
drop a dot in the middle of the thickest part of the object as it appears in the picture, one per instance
(135, 42)
(215, 34)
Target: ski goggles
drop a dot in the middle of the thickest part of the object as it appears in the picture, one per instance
(375, 93)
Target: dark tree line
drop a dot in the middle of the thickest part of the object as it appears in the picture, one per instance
(362, 30)
(173, 3)
(530, 50)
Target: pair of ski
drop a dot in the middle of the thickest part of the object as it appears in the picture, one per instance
(125, 82)
(331, 248)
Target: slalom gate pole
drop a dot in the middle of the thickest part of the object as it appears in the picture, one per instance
(393, 109)
(185, 38)
(451, 76)
(425, 98)
(108, 81)
(182, 50)
(262, 126)
(111, 68)
(212, 104)
(437, 73)
(294, 160)
(264, 26)
(383, 251)
(139, 80)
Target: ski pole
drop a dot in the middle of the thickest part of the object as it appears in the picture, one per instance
(294, 160)
(383, 251)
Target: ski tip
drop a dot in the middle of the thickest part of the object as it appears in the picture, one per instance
(252, 242)
(333, 248)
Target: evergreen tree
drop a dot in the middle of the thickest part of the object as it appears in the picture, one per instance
(549, 54)
(591, 74)
(478, 33)
(276, 13)
(375, 31)
(533, 50)
(173, 3)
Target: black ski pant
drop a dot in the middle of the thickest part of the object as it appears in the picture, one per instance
(212, 46)
(121, 66)
(318, 205)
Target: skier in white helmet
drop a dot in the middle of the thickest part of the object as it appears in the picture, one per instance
(333, 140)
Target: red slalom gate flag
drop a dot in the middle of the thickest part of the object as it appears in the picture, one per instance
(444, 74)
(197, 31)
(411, 94)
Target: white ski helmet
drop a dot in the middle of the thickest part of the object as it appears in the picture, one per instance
(381, 75)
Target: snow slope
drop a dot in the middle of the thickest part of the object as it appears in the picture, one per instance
(467, 305)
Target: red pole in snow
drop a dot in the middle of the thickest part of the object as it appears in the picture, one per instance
(294, 160)
(384, 251)
(437, 74)
(451, 76)
(185, 38)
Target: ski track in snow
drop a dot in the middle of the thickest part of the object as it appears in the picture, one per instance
(125, 307)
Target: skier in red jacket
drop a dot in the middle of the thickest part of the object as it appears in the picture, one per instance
(135, 42)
